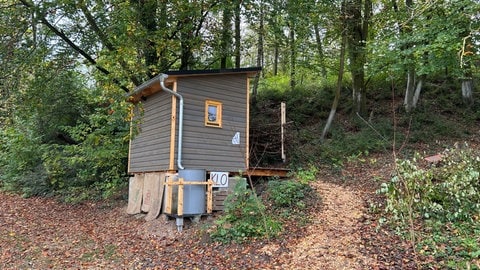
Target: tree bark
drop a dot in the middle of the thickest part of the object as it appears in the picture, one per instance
(260, 53)
(321, 55)
(237, 49)
(409, 90)
(336, 100)
(418, 90)
(226, 39)
(467, 91)
(147, 14)
(357, 33)
(465, 61)
(293, 56)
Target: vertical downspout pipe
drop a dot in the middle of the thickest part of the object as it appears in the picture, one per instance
(180, 119)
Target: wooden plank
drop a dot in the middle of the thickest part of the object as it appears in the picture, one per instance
(219, 197)
(280, 172)
(173, 129)
(209, 196)
(180, 197)
(168, 201)
(247, 128)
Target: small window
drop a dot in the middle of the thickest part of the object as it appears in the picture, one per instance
(213, 113)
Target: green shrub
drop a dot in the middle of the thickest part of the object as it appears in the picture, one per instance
(439, 207)
(244, 217)
(91, 165)
(306, 176)
(448, 192)
(21, 168)
(288, 193)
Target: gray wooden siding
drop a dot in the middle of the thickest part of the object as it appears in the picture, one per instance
(150, 148)
(211, 148)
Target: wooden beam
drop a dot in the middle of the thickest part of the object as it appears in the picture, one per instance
(247, 130)
(180, 197)
(280, 172)
(209, 196)
(173, 126)
(168, 201)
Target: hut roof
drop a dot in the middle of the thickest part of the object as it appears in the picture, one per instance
(152, 86)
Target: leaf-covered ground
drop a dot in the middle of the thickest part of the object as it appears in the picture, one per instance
(40, 233)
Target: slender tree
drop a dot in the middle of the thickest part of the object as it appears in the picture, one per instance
(226, 38)
(358, 15)
(341, 68)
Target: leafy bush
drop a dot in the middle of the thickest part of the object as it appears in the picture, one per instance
(440, 206)
(449, 192)
(87, 160)
(244, 217)
(306, 176)
(21, 169)
(288, 193)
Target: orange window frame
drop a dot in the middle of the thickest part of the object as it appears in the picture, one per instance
(213, 113)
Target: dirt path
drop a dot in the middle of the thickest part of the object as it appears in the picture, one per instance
(332, 240)
(41, 233)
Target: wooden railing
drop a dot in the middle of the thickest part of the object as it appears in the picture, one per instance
(181, 184)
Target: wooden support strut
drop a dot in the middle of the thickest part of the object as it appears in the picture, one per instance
(181, 183)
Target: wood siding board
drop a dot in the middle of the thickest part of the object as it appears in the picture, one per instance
(150, 148)
(204, 147)
(210, 147)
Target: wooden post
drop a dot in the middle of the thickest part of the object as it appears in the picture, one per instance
(209, 196)
(180, 197)
(283, 120)
(168, 202)
(180, 184)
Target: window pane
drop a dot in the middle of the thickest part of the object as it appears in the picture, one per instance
(212, 113)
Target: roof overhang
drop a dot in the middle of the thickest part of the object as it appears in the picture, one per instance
(152, 86)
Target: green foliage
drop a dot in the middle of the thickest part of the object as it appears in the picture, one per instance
(21, 169)
(71, 143)
(288, 193)
(445, 200)
(245, 217)
(306, 176)
(449, 192)
(450, 245)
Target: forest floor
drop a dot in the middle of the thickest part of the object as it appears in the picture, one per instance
(339, 232)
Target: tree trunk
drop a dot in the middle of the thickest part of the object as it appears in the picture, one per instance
(186, 56)
(293, 56)
(341, 68)
(412, 90)
(465, 61)
(409, 90)
(321, 55)
(276, 54)
(162, 25)
(418, 90)
(147, 18)
(237, 33)
(357, 33)
(260, 54)
(226, 41)
(467, 90)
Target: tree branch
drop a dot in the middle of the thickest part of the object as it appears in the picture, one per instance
(104, 39)
(70, 43)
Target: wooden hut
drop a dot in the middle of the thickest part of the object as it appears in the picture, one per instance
(193, 120)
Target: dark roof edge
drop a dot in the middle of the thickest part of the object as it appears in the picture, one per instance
(146, 84)
(213, 71)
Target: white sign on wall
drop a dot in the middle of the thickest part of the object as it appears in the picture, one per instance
(236, 138)
(220, 179)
